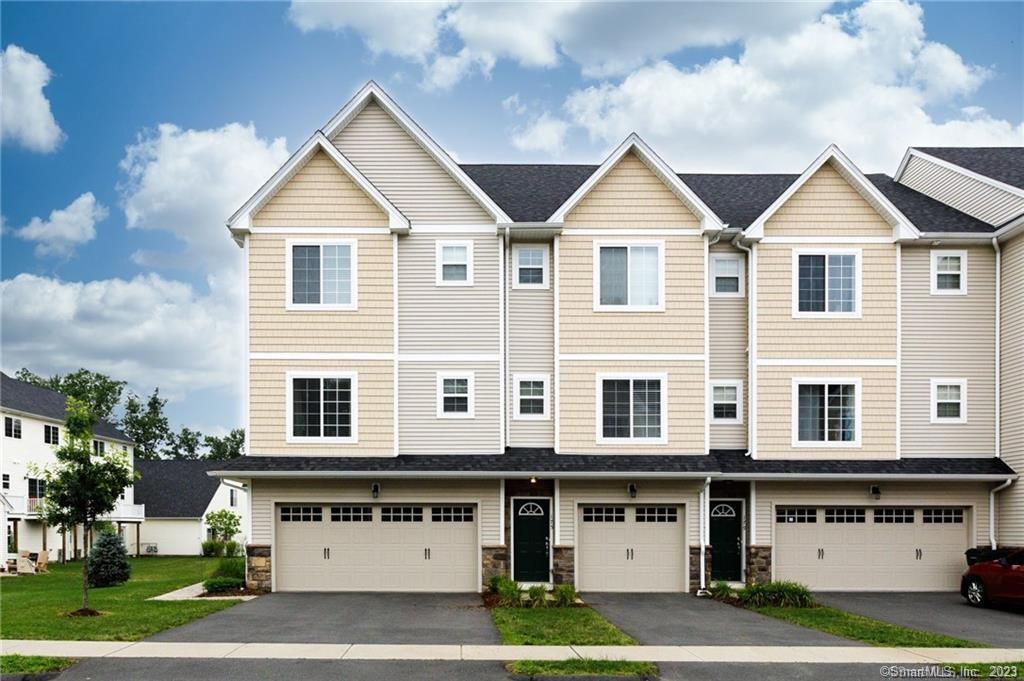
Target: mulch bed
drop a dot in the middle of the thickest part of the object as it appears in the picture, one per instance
(231, 593)
(84, 612)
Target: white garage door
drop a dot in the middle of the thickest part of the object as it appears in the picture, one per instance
(632, 548)
(363, 547)
(871, 549)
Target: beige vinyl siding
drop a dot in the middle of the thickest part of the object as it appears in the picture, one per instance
(974, 197)
(728, 355)
(531, 348)
(578, 403)
(420, 429)
(1011, 500)
(775, 412)
(268, 408)
(404, 172)
(273, 328)
(894, 493)
(447, 319)
(948, 337)
(320, 194)
(573, 492)
(266, 492)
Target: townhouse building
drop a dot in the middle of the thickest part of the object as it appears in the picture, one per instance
(620, 376)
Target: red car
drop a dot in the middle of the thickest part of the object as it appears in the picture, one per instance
(999, 579)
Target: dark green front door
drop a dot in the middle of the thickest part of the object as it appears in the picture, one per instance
(726, 540)
(531, 540)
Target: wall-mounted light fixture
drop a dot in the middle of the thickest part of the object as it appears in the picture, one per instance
(631, 489)
(533, 480)
(876, 492)
(375, 490)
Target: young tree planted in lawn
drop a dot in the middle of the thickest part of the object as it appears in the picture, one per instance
(108, 561)
(225, 524)
(82, 486)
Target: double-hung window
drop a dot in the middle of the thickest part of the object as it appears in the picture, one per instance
(530, 266)
(322, 407)
(949, 273)
(727, 275)
(322, 275)
(827, 283)
(454, 263)
(826, 412)
(629, 276)
(12, 427)
(632, 408)
(531, 397)
(99, 447)
(949, 400)
(455, 396)
(51, 434)
(727, 401)
(36, 488)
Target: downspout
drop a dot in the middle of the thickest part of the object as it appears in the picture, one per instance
(999, 349)
(992, 511)
(751, 346)
(703, 591)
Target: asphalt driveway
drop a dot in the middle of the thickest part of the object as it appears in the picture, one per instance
(345, 618)
(682, 619)
(942, 613)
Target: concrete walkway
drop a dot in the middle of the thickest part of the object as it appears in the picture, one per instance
(362, 651)
(194, 592)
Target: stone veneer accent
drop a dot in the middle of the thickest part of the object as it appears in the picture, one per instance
(564, 569)
(695, 567)
(494, 562)
(759, 564)
(258, 567)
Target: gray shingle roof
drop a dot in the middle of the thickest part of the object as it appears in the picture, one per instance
(31, 399)
(734, 462)
(175, 488)
(1004, 164)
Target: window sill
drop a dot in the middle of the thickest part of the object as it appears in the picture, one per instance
(296, 440)
(531, 417)
(453, 284)
(727, 422)
(827, 315)
(823, 444)
(627, 441)
(948, 292)
(939, 421)
(297, 307)
(629, 308)
(727, 295)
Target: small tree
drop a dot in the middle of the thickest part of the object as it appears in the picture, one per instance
(108, 561)
(225, 524)
(81, 485)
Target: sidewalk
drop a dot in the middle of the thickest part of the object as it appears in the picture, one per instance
(359, 651)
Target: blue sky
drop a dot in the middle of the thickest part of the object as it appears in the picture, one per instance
(139, 279)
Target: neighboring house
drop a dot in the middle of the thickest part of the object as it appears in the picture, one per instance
(33, 427)
(178, 494)
(612, 375)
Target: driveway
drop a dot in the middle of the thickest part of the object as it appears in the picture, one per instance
(942, 613)
(681, 619)
(345, 618)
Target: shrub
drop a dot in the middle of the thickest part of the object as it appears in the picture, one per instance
(108, 561)
(721, 591)
(565, 595)
(230, 567)
(232, 549)
(538, 596)
(224, 524)
(212, 547)
(777, 594)
(510, 594)
(219, 584)
(494, 583)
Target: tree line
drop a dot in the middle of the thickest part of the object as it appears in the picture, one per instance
(143, 420)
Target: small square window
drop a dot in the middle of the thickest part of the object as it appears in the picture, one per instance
(726, 399)
(454, 263)
(51, 435)
(948, 273)
(727, 274)
(530, 266)
(12, 427)
(531, 397)
(455, 395)
(949, 400)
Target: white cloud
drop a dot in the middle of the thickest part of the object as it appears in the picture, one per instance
(25, 115)
(513, 105)
(66, 228)
(544, 133)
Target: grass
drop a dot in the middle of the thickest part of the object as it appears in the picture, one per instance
(989, 670)
(32, 664)
(557, 627)
(582, 668)
(860, 628)
(34, 606)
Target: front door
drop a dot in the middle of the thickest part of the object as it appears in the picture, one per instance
(726, 540)
(531, 540)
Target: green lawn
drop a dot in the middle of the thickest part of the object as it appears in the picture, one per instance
(34, 606)
(556, 627)
(989, 670)
(583, 667)
(859, 628)
(32, 664)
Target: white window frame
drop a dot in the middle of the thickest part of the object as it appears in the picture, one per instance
(232, 497)
(599, 410)
(353, 245)
(439, 264)
(936, 253)
(739, 401)
(719, 257)
(826, 381)
(471, 387)
(629, 244)
(290, 416)
(545, 284)
(858, 298)
(934, 395)
(517, 380)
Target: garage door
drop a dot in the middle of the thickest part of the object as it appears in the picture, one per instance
(847, 548)
(632, 548)
(363, 547)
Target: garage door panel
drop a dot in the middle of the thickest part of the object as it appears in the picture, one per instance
(621, 553)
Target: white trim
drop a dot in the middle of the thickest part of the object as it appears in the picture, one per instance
(707, 341)
(516, 380)
(367, 356)
(911, 151)
(501, 512)
(470, 377)
(933, 402)
(439, 246)
(353, 376)
(246, 352)
(998, 368)
(454, 357)
(899, 350)
(631, 440)
(753, 513)
(428, 228)
(858, 283)
(394, 345)
(502, 344)
(545, 270)
(826, 240)
(512, 537)
(752, 357)
(713, 275)
(373, 91)
(319, 230)
(724, 383)
(828, 362)
(826, 381)
(628, 245)
(558, 341)
(933, 270)
(743, 532)
(667, 231)
(353, 248)
(629, 357)
(556, 513)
